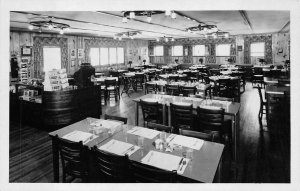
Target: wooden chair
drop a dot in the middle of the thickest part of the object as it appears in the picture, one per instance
(111, 168)
(139, 80)
(263, 104)
(159, 127)
(222, 87)
(174, 78)
(212, 120)
(143, 173)
(111, 86)
(152, 111)
(187, 90)
(257, 76)
(116, 118)
(172, 89)
(73, 160)
(150, 87)
(199, 135)
(181, 116)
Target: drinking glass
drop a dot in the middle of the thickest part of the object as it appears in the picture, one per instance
(189, 153)
(163, 136)
(141, 141)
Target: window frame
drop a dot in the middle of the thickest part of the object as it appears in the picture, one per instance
(60, 56)
(100, 49)
(194, 46)
(229, 45)
(155, 52)
(173, 47)
(264, 44)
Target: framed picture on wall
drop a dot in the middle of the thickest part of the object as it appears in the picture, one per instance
(80, 53)
(26, 51)
(73, 53)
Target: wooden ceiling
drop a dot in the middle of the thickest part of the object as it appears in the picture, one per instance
(109, 23)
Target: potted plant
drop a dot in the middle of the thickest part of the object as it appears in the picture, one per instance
(130, 62)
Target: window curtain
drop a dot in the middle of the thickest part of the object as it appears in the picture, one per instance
(38, 58)
(268, 47)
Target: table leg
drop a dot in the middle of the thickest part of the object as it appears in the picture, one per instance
(55, 155)
(137, 114)
(169, 116)
(235, 136)
(219, 171)
(164, 114)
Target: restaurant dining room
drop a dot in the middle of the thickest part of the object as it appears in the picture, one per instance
(164, 95)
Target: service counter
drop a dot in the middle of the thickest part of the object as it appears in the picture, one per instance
(57, 108)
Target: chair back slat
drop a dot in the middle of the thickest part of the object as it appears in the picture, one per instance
(143, 173)
(117, 118)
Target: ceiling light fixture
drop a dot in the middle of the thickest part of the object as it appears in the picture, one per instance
(167, 12)
(50, 25)
(166, 39)
(173, 15)
(129, 34)
(133, 14)
(208, 31)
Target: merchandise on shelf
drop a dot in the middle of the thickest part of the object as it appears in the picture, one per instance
(56, 80)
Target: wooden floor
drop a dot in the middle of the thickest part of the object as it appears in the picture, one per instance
(263, 155)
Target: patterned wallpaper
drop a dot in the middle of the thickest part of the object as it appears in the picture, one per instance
(188, 43)
(39, 43)
(267, 39)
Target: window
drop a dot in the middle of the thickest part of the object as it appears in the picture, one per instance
(177, 51)
(199, 50)
(120, 55)
(94, 56)
(158, 51)
(257, 49)
(112, 55)
(52, 58)
(105, 56)
(223, 50)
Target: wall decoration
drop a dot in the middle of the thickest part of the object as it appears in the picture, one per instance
(26, 51)
(73, 53)
(72, 63)
(80, 53)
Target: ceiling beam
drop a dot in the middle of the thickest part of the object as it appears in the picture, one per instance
(246, 19)
(285, 26)
(86, 22)
(141, 21)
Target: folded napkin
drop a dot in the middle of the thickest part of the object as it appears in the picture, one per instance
(77, 136)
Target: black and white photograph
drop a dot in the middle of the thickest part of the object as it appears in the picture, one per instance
(172, 93)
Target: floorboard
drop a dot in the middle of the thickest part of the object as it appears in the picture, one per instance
(263, 155)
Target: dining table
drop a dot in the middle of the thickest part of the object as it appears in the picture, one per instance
(195, 160)
(200, 87)
(202, 165)
(276, 90)
(231, 109)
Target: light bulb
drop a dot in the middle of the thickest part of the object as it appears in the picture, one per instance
(166, 39)
(173, 15)
(168, 12)
(149, 19)
(61, 31)
(50, 27)
(189, 30)
(124, 19)
(115, 37)
(132, 15)
(157, 39)
(30, 27)
(173, 40)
